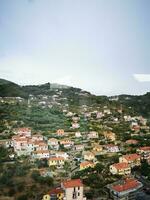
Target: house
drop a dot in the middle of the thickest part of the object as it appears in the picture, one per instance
(78, 134)
(120, 169)
(20, 145)
(97, 148)
(23, 132)
(37, 137)
(107, 111)
(131, 141)
(124, 189)
(53, 143)
(86, 164)
(144, 152)
(56, 161)
(127, 118)
(133, 160)
(75, 119)
(54, 194)
(40, 145)
(75, 125)
(40, 154)
(69, 114)
(88, 155)
(135, 127)
(60, 132)
(6, 143)
(99, 115)
(109, 135)
(73, 189)
(62, 154)
(111, 148)
(93, 135)
(79, 147)
(67, 143)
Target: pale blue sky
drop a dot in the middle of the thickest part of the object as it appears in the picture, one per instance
(97, 45)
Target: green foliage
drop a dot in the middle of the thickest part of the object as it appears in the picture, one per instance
(42, 180)
(3, 153)
(145, 169)
(23, 197)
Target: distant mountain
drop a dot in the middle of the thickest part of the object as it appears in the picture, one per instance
(76, 96)
(10, 89)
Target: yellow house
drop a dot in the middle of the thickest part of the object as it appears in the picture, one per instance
(89, 155)
(97, 148)
(109, 135)
(86, 164)
(56, 161)
(56, 193)
(120, 168)
(132, 159)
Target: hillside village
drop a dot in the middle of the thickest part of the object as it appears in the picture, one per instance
(73, 150)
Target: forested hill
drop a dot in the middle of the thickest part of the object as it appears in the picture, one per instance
(10, 89)
(76, 96)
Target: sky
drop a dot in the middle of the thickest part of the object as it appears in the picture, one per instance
(102, 46)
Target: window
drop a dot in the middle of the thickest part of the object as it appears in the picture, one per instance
(78, 188)
(78, 193)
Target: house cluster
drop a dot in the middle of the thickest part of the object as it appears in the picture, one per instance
(126, 163)
(68, 190)
(124, 189)
(26, 144)
(38, 147)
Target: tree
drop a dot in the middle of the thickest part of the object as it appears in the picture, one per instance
(99, 167)
(66, 167)
(145, 169)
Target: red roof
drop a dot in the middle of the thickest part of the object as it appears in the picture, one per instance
(145, 148)
(24, 129)
(122, 165)
(131, 141)
(127, 185)
(131, 157)
(56, 158)
(56, 191)
(72, 183)
(86, 163)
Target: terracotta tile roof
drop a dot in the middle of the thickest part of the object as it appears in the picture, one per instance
(127, 185)
(60, 131)
(24, 129)
(131, 141)
(52, 140)
(37, 135)
(72, 183)
(110, 146)
(56, 191)
(40, 151)
(131, 157)
(56, 158)
(86, 163)
(40, 143)
(21, 140)
(147, 148)
(122, 165)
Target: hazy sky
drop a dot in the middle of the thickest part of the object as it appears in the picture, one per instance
(102, 46)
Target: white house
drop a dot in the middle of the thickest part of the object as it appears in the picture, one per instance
(78, 134)
(62, 154)
(41, 154)
(112, 148)
(93, 135)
